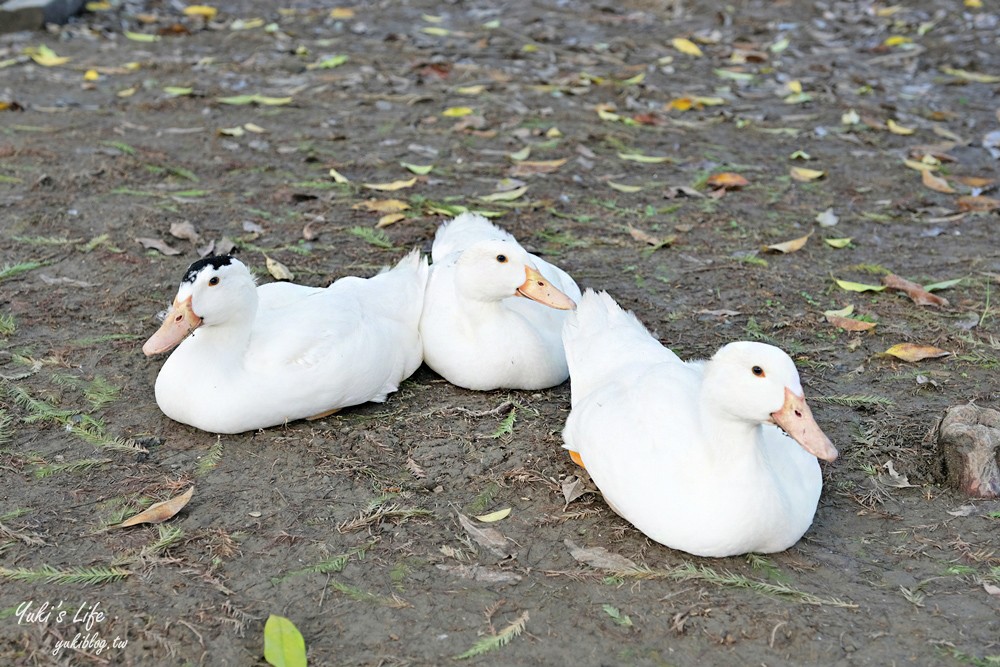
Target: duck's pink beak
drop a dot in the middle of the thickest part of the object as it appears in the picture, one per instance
(796, 419)
(179, 322)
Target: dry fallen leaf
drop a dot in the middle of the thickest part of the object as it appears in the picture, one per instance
(789, 246)
(185, 230)
(978, 204)
(920, 296)
(936, 183)
(645, 237)
(841, 318)
(727, 180)
(599, 557)
(490, 538)
(507, 195)
(858, 287)
(382, 205)
(158, 512)
(277, 269)
(157, 244)
(481, 573)
(894, 479)
(572, 488)
(914, 352)
(531, 167)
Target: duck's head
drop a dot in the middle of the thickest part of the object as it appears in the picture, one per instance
(213, 291)
(495, 270)
(759, 383)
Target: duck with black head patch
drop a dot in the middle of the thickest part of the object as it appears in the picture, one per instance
(249, 357)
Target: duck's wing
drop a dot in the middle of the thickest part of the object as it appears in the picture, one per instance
(604, 343)
(465, 230)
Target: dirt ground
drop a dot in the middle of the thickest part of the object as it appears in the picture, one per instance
(349, 526)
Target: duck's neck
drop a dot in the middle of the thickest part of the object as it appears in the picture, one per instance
(728, 438)
(229, 339)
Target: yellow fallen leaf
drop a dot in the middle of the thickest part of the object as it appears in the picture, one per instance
(436, 31)
(805, 175)
(470, 90)
(858, 287)
(251, 127)
(621, 187)
(553, 133)
(91, 75)
(850, 117)
(232, 131)
(935, 183)
(127, 92)
(604, 114)
(727, 180)
(681, 104)
(389, 219)
(976, 77)
(789, 246)
(45, 56)
(974, 4)
(794, 86)
(457, 112)
(522, 154)
(913, 352)
(920, 166)
(246, 24)
(178, 91)
(686, 46)
(342, 13)
(843, 312)
(141, 37)
(158, 512)
(382, 205)
(507, 195)
(389, 187)
(278, 270)
(204, 11)
(896, 128)
(645, 159)
(418, 169)
(897, 40)
(102, 6)
(495, 516)
(838, 243)
(337, 176)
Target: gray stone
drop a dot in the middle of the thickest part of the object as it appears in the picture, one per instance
(34, 14)
(968, 440)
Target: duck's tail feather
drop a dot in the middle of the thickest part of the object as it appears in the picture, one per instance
(602, 340)
(404, 284)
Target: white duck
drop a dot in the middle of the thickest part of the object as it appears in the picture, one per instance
(478, 330)
(263, 356)
(691, 453)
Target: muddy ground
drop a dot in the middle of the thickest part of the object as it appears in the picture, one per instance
(349, 525)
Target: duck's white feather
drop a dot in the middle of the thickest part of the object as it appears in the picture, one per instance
(667, 455)
(306, 351)
(482, 342)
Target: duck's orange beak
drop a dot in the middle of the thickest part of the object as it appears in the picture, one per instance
(537, 288)
(179, 322)
(796, 419)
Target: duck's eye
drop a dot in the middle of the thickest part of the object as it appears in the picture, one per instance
(758, 371)
(502, 259)
(213, 281)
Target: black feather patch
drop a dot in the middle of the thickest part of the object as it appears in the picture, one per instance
(216, 262)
